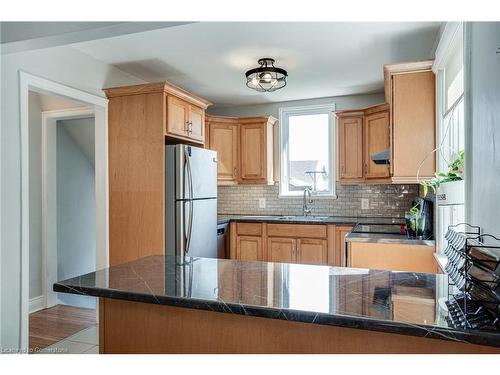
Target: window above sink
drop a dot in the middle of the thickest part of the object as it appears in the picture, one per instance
(306, 150)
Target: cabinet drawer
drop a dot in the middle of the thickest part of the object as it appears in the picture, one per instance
(296, 230)
(249, 229)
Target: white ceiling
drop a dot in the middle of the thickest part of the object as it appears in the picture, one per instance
(322, 59)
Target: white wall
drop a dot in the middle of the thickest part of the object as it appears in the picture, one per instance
(64, 65)
(483, 152)
(76, 214)
(341, 102)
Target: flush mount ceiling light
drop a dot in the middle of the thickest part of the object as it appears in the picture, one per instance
(266, 78)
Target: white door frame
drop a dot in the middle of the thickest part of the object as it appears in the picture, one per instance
(49, 197)
(27, 83)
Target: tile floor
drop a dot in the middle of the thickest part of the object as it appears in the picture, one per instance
(83, 342)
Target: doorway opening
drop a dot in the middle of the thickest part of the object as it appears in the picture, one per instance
(64, 207)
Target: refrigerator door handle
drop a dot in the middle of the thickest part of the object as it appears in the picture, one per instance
(190, 222)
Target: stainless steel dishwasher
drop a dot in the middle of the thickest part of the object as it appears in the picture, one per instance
(222, 231)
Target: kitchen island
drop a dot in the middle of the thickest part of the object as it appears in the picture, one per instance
(197, 305)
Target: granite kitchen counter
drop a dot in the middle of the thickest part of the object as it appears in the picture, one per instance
(402, 303)
(312, 219)
(387, 238)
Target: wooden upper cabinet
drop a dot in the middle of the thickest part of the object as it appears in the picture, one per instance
(361, 134)
(253, 153)
(312, 251)
(350, 144)
(256, 150)
(244, 148)
(223, 138)
(282, 250)
(412, 95)
(177, 116)
(184, 120)
(196, 123)
(376, 139)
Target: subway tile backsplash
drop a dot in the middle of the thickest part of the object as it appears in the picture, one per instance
(384, 201)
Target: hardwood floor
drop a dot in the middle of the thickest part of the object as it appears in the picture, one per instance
(49, 326)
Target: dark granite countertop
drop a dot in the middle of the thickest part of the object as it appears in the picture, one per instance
(313, 219)
(395, 302)
(401, 239)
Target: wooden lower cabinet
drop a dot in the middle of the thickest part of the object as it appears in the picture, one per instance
(390, 256)
(286, 243)
(282, 250)
(312, 251)
(200, 331)
(249, 248)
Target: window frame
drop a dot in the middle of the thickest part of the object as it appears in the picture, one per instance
(284, 114)
(451, 40)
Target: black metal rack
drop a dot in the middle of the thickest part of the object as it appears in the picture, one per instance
(474, 278)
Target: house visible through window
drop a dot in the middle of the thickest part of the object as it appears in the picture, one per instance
(307, 150)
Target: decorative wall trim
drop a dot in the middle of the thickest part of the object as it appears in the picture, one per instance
(36, 304)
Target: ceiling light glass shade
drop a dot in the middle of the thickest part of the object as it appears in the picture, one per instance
(267, 77)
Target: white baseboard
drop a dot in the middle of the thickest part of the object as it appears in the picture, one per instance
(36, 304)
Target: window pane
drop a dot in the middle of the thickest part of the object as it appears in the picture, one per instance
(455, 89)
(453, 76)
(452, 135)
(308, 151)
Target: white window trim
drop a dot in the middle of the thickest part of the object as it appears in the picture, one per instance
(452, 35)
(308, 109)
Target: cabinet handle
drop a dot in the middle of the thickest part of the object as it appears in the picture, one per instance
(235, 172)
(190, 126)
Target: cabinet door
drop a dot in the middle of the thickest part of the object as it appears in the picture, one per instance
(376, 137)
(393, 257)
(196, 123)
(281, 250)
(249, 248)
(312, 251)
(413, 111)
(351, 148)
(224, 140)
(253, 152)
(177, 116)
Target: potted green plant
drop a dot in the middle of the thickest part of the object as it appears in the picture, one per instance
(448, 186)
(415, 220)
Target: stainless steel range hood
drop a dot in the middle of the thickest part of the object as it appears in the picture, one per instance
(382, 157)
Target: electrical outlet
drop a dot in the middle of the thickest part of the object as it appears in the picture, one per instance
(262, 202)
(365, 204)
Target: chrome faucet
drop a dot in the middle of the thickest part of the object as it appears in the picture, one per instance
(306, 210)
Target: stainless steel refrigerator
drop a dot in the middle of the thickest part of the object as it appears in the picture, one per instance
(191, 201)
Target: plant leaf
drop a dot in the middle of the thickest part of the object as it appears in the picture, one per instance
(426, 190)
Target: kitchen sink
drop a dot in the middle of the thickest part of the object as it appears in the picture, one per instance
(257, 217)
(305, 218)
(286, 217)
